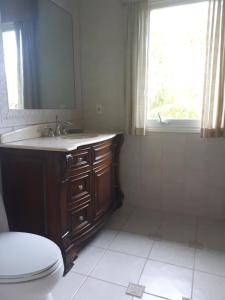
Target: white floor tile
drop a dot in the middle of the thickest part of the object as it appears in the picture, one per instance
(210, 261)
(167, 281)
(211, 234)
(130, 243)
(179, 232)
(173, 253)
(150, 297)
(119, 268)
(104, 238)
(87, 260)
(208, 287)
(68, 286)
(94, 289)
(115, 258)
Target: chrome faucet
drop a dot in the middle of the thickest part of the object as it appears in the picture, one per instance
(61, 127)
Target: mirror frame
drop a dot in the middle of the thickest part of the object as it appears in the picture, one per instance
(20, 117)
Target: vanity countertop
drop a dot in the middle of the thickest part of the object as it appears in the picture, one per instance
(62, 143)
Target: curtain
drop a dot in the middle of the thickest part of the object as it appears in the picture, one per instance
(3, 101)
(27, 54)
(213, 102)
(3, 84)
(136, 75)
(19, 69)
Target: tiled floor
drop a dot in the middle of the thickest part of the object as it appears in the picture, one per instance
(175, 257)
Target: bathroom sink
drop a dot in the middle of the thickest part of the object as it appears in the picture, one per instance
(80, 136)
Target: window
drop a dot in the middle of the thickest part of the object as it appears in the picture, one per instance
(12, 67)
(176, 66)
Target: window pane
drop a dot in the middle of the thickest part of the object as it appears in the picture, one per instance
(11, 68)
(177, 58)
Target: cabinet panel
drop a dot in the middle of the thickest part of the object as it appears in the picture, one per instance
(80, 188)
(103, 196)
(102, 152)
(80, 219)
(81, 161)
(24, 194)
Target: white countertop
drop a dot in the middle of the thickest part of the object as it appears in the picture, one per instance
(63, 144)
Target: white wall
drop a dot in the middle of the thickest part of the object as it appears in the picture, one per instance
(101, 26)
(163, 171)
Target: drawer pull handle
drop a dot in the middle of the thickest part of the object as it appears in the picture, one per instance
(80, 187)
(81, 218)
(80, 159)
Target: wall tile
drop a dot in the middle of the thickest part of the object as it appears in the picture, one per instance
(176, 173)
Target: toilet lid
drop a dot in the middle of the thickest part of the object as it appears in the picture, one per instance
(25, 254)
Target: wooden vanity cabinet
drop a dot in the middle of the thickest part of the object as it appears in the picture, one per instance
(65, 196)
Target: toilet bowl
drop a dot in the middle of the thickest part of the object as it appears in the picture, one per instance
(30, 266)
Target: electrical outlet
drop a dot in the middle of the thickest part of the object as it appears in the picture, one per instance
(99, 109)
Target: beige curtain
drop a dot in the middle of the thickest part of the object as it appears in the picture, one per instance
(214, 103)
(19, 69)
(27, 49)
(136, 76)
(3, 101)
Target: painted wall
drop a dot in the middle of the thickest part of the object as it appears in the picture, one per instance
(162, 171)
(102, 63)
(12, 119)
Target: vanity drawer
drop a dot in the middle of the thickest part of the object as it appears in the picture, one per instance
(80, 219)
(81, 161)
(102, 152)
(80, 188)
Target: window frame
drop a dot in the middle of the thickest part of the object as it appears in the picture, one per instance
(173, 125)
(7, 27)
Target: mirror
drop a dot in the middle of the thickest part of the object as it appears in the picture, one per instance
(38, 51)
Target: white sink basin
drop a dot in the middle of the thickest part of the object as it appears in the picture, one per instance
(80, 136)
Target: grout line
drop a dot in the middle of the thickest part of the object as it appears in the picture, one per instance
(146, 262)
(83, 283)
(157, 296)
(148, 256)
(195, 254)
(104, 252)
(106, 249)
(193, 275)
(212, 274)
(168, 263)
(126, 253)
(156, 260)
(107, 281)
(89, 273)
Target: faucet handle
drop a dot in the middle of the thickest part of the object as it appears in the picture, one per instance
(51, 132)
(66, 123)
(65, 126)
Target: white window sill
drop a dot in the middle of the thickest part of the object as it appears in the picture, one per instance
(190, 126)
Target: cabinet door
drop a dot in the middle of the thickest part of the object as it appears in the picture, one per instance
(102, 178)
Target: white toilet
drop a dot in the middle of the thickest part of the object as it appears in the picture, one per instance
(30, 266)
